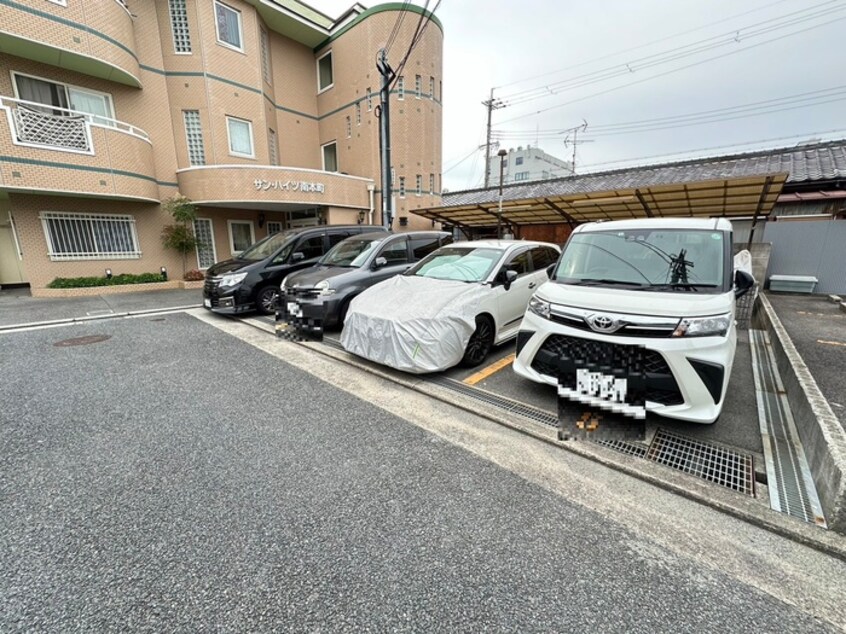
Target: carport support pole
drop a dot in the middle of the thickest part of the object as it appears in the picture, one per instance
(387, 74)
(502, 153)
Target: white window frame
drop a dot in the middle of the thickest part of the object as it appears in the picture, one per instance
(133, 254)
(188, 140)
(401, 88)
(229, 224)
(358, 113)
(323, 156)
(431, 183)
(173, 31)
(332, 69)
(273, 223)
(369, 99)
(348, 122)
(213, 246)
(431, 88)
(272, 147)
(61, 3)
(249, 123)
(109, 100)
(224, 43)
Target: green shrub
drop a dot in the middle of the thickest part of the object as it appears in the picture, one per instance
(124, 278)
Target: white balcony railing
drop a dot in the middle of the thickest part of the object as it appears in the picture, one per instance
(47, 126)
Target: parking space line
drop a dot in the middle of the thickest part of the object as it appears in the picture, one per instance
(831, 343)
(493, 368)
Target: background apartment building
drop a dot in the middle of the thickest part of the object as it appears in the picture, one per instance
(262, 112)
(528, 164)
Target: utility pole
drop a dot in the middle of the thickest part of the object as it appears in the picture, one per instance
(491, 104)
(383, 113)
(575, 132)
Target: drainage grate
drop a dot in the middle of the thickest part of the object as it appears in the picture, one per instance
(629, 448)
(712, 463)
(511, 407)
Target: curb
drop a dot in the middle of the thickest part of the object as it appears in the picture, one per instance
(73, 320)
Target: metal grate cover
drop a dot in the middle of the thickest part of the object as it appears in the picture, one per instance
(629, 448)
(710, 462)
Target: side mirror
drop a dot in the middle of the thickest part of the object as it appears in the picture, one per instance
(742, 283)
(379, 262)
(550, 270)
(510, 276)
(297, 256)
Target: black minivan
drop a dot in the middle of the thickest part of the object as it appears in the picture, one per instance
(251, 280)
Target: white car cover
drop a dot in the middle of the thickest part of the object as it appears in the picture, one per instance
(415, 324)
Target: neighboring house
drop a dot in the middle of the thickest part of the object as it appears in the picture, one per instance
(527, 164)
(795, 198)
(263, 112)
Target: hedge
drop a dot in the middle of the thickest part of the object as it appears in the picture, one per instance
(125, 278)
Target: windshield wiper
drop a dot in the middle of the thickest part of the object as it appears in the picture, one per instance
(682, 285)
(593, 282)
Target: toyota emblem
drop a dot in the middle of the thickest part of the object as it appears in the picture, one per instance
(603, 323)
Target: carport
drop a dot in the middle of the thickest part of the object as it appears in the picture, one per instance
(636, 193)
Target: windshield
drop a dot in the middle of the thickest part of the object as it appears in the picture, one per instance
(352, 252)
(645, 259)
(268, 246)
(463, 263)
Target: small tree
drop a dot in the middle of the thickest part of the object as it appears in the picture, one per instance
(180, 236)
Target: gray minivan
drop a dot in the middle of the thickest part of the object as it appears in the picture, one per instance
(318, 297)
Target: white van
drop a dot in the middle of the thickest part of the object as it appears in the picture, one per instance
(638, 316)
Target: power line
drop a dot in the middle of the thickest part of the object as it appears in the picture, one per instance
(397, 24)
(422, 23)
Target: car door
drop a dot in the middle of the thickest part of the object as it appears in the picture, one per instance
(395, 252)
(513, 301)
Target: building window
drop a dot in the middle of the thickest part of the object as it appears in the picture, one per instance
(358, 113)
(431, 183)
(240, 132)
(325, 72)
(369, 99)
(241, 235)
(402, 186)
(194, 137)
(418, 86)
(273, 226)
(61, 3)
(521, 176)
(432, 87)
(330, 157)
(97, 104)
(206, 255)
(265, 55)
(76, 236)
(349, 126)
(518, 160)
(179, 26)
(419, 184)
(401, 88)
(228, 23)
(272, 151)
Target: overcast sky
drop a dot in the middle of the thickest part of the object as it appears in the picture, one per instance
(610, 62)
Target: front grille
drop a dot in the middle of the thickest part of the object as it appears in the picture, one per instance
(295, 292)
(625, 331)
(661, 386)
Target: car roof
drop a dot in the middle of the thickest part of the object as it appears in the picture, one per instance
(719, 224)
(504, 244)
(375, 235)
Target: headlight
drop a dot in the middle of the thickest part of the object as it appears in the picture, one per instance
(232, 279)
(323, 287)
(284, 282)
(539, 307)
(717, 325)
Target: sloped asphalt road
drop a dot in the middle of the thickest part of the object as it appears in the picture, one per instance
(175, 479)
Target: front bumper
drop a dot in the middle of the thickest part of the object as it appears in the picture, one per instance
(308, 311)
(682, 378)
(227, 301)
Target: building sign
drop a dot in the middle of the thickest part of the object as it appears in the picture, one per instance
(288, 186)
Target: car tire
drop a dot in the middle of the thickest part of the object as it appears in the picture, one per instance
(480, 342)
(267, 299)
(342, 313)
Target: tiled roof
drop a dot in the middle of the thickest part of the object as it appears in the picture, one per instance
(804, 164)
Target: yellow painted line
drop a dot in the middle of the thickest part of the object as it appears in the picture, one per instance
(832, 343)
(493, 368)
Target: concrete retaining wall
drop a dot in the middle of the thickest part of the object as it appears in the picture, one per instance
(822, 436)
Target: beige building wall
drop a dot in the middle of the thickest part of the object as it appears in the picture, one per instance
(126, 174)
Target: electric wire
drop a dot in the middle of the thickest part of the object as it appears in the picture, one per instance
(422, 23)
(397, 24)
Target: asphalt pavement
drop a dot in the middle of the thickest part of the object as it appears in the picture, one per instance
(169, 477)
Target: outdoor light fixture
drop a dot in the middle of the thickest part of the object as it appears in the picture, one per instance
(403, 221)
(108, 274)
(261, 219)
(361, 216)
(164, 274)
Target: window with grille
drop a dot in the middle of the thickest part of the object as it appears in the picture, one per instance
(206, 255)
(369, 99)
(194, 136)
(79, 236)
(358, 113)
(349, 126)
(273, 226)
(431, 183)
(401, 88)
(402, 186)
(271, 147)
(265, 55)
(419, 184)
(179, 25)
(418, 86)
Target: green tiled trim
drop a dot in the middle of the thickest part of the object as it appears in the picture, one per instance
(82, 27)
(389, 6)
(85, 168)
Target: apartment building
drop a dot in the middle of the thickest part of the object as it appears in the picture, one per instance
(262, 112)
(527, 164)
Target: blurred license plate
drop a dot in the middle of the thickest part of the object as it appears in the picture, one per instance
(294, 309)
(207, 303)
(602, 386)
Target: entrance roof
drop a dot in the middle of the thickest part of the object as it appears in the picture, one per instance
(598, 197)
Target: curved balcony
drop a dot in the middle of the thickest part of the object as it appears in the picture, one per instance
(271, 187)
(93, 37)
(56, 150)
